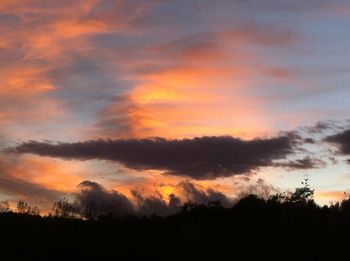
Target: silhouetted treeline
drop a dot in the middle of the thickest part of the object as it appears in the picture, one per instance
(282, 227)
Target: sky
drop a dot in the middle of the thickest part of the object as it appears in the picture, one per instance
(151, 98)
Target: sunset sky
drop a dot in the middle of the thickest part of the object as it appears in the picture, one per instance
(229, 96)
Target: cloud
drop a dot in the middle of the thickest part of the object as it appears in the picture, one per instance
(322, 127)
(20, 188)
(342, 140)
(195, 195)
(178, 83)
(118, 119)
(14, 182)
(156, 205)
(40, 44)
(83, 69)
(199, 158)
(245, 187)
(304, 163)
(94, 200)
(38, 180)
(68, 59)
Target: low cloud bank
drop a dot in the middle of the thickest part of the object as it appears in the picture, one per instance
(94, 200)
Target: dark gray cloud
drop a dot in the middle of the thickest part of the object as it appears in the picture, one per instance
(309, 141)
(304, 163)
(342, 140)
(198, 196)
(94, 200)
(321, 127)
(260, 188)
(20, 188)
(199, 158)
(156, 205)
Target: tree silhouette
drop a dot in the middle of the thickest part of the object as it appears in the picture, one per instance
(25, 208)
(4, 206)
(303, 195)
(64, 209)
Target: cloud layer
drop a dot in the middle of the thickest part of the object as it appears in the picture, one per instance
(77, 70)
(94, 200)
(342, 140)
(199, 158)
(18, 182)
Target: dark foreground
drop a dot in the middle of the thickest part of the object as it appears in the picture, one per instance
(254, 229)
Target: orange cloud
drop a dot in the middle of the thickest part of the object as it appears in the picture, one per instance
(196, 85)
(35, 44)
(193, 86)
(23, 95)
(41, 36)
(55, 175)
(185, 102)
(26, 80)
